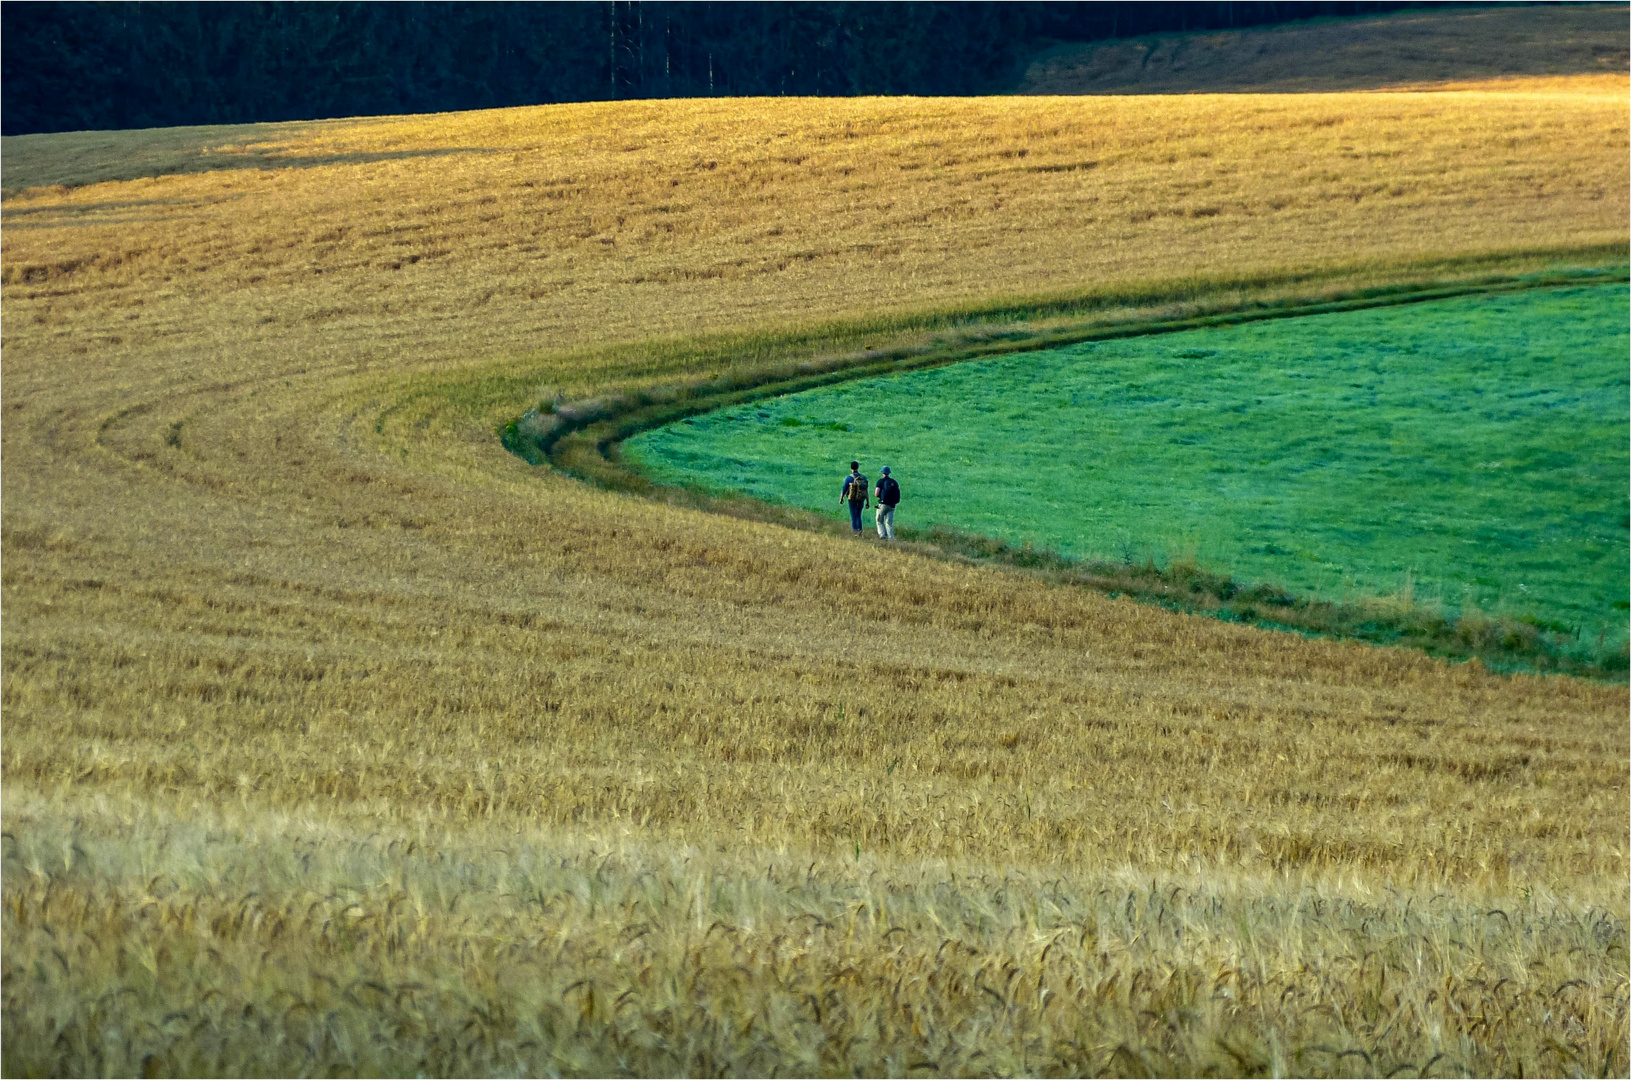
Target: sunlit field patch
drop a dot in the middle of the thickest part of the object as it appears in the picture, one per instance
(1470, 450)
(340, 740)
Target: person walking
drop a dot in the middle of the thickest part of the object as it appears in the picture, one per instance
(888, 497)
(855, 495)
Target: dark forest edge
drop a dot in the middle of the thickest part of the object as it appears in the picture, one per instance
(80, 67)
(581, 438)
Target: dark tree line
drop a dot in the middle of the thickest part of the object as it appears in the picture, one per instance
(77, 66)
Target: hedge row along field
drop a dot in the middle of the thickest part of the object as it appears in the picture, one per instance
(340, 740)
(1471, 450)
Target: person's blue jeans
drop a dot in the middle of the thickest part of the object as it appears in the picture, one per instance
(855, 515)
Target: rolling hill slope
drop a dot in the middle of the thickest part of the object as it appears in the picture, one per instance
(339, 739)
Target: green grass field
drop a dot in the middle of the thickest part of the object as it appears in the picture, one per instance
(1460, 451)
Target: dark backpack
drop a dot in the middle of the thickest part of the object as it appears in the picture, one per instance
(888, 491)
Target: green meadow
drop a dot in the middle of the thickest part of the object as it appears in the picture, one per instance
(1470, 451)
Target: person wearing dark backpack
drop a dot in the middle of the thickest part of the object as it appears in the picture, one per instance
(888, 496)
(855, 495)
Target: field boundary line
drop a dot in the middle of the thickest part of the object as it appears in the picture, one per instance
(582, 439)
(561, 436)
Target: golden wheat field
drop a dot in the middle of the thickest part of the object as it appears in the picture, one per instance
(340, 741)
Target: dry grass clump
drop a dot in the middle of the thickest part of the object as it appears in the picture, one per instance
(310, 686)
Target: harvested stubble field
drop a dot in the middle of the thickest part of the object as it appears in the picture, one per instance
(339, 740)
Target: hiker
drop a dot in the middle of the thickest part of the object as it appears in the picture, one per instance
(855, 495)
(888, 496)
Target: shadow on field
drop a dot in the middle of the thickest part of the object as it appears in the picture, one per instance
(78, 159)
(1403, 50)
